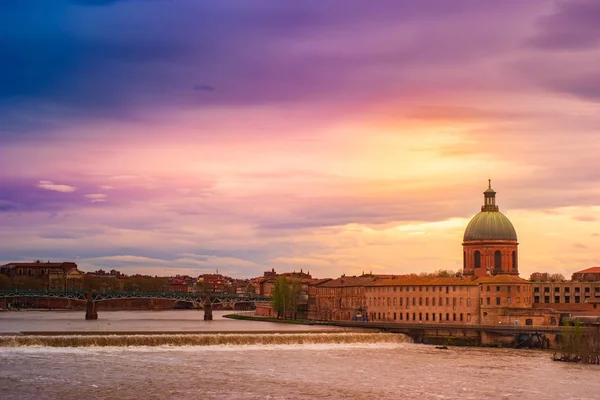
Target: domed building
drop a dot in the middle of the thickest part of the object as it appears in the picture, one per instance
(490, 241)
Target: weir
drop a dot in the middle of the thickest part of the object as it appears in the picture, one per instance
(200, 339)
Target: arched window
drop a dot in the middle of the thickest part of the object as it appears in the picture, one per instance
(477, 259)
(464, 259)
(498, 260)
(514, 260)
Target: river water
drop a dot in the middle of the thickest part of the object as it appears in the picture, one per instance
(259, 365)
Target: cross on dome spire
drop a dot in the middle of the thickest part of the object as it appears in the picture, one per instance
(489, 198)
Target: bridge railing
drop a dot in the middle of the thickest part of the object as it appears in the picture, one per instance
(27, 292)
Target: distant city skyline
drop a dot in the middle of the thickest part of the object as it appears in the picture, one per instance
(182, 137)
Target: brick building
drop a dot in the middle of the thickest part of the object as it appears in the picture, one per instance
(212, 283)
(51, 275)
(341, 299)
(497, 299)
(571, 296)
(587, 275)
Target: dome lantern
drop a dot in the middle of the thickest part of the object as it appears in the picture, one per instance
(489, 199)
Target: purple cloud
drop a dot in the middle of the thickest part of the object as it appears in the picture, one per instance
(574, 26)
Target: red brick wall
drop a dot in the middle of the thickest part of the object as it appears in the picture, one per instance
(487, 250)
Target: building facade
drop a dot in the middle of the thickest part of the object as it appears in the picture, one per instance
(501, 299)
(49, 275)
(587, 275)
(342, 299)
(574, 296)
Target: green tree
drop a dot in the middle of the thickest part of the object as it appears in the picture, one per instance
(280, 295)
(285, 296)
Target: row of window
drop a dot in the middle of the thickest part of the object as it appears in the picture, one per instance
(440, 289)
(498, 301)
(497, 259)
(567, 289)
(557, 299)
(426, 301)
(30, 272)
(507, 288)
(377, 316)
(344, 290)
(393, 301)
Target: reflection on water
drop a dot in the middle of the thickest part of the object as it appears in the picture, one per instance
(308, 371)
(370, 366)
(141, 321)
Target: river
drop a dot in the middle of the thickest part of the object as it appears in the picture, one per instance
(317, 365)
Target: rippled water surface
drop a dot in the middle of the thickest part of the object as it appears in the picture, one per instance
(135, 321)
(324, 370)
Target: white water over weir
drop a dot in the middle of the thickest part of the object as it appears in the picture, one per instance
(199, 339)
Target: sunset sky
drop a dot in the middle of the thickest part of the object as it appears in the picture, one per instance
(182, 136)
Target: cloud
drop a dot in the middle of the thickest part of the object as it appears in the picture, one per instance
(96, 197)
(48, 185)
(583, 84)
(213, 261)
(277, 52)
(204, 88)
(585, 218)
(189, 263)
(573, 27)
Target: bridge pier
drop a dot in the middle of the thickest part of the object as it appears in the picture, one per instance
(208, 316)
(90, 308)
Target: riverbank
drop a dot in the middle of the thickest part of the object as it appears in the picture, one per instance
(241, 317)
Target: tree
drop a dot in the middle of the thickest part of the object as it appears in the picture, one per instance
(27, 283)
(285, 296)
(280, 295)
(440, 273)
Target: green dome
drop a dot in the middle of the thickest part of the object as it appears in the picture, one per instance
(490, 225)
